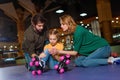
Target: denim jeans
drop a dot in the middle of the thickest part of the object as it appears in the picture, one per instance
(28, 59)
(96, 58)
(52, 62)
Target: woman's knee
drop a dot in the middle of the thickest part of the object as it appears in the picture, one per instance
(85, 63)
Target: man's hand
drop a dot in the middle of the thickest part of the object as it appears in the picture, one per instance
(33, 55)
(42, 55)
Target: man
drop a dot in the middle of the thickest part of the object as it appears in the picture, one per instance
(35, 38)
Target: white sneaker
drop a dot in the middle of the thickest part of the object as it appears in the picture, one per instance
(117, 58)
(112, 59)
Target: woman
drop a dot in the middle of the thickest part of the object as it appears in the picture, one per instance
(92, 50)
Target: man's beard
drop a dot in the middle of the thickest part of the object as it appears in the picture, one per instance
(38, 31)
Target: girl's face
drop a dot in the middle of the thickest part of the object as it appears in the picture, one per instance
(53, 39)
(64, 26)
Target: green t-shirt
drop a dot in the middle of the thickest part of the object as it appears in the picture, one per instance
(86, 42)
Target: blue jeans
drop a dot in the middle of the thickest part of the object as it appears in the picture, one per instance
(96, 58)
(28, 59)
(49, 58)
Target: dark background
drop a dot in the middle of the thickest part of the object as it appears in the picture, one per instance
(8, 29)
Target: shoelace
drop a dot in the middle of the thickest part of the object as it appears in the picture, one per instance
(42, 63)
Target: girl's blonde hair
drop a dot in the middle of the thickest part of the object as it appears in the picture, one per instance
(68, 20)
(55, 32)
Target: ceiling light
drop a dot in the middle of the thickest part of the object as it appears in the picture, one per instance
(113, 21)
(59, 11)
(117, 18)
(83, 14)
(81, 22)
(117, 22)
(96, 17)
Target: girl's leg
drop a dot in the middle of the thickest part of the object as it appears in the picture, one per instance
(45, 59)
(52, 62)
(46, 52)
(98, 57)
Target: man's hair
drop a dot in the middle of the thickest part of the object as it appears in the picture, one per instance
(38, 18)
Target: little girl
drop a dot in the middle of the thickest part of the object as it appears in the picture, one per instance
(53, 59)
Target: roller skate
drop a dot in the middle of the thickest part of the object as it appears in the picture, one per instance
(38, 64)
(62, 66)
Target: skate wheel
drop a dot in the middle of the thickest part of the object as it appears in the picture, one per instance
(56, 67)
(67, 61)
(68, 56)
(62, 58)
(33, 59)
(31, 63)
(61, 70)
(37, 63)
(39, 72)
(33, 73)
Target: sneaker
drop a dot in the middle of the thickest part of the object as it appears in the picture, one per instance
(113, 60)
(117, 58)
(117, 61)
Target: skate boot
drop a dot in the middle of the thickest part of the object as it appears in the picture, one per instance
(62, 66)
(38, 64)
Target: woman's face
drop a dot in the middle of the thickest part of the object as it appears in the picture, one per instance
(64, 26)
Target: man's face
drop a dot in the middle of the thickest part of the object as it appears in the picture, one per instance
(39, 26)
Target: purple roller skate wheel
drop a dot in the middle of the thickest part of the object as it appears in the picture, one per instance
(33, 59)
(37, 63)
(61, 58)
(68, 56)
(39, 72)
(61, 71)
(67, 61)
(56, 67)
(33, 73)
(31, 63)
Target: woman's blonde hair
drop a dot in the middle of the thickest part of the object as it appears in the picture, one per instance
(68, 20)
